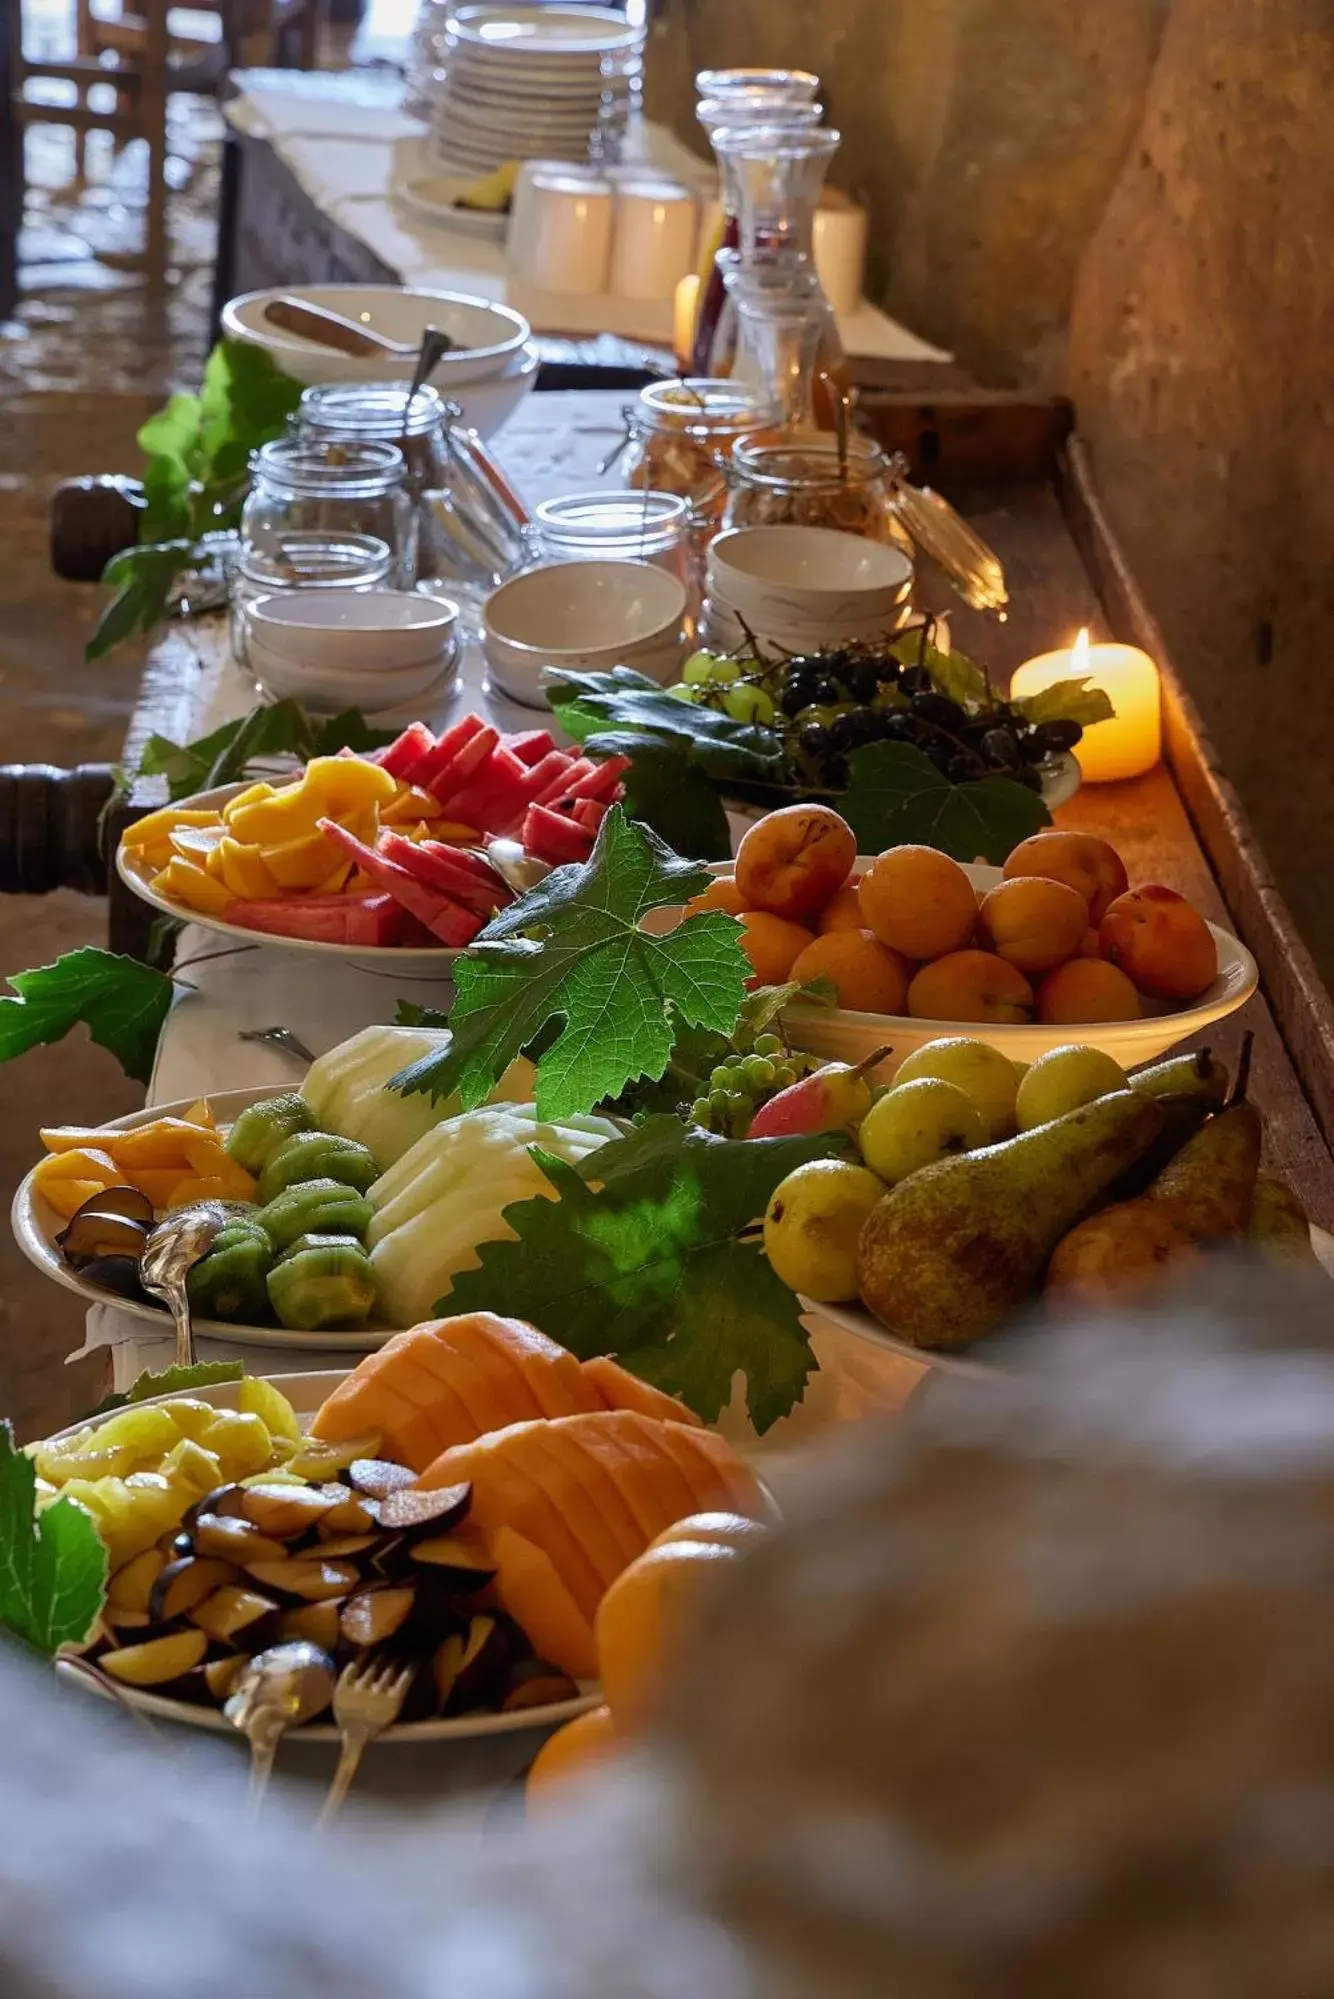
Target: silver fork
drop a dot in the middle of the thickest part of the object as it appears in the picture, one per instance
(278, 1037)
(367, 1700)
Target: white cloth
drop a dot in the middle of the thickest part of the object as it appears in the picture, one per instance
(350, 145)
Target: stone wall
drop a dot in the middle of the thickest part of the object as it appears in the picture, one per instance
(984, 137)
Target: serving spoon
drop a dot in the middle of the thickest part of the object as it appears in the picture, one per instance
(170, 1254)
(333, 329)
(275, 1691)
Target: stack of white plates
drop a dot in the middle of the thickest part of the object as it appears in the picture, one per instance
(524, 82)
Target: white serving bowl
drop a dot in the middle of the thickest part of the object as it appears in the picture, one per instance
(722, 631)
(490, 337)
(813, 576)
(583, 617)
(378, 692)
(841, 1035)
(319, 629)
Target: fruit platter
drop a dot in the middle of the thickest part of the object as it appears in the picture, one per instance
(459, 1505)
(379, 856)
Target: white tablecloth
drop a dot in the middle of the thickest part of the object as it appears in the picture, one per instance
(349, 143)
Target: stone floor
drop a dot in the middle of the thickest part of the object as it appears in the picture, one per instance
(87, 358)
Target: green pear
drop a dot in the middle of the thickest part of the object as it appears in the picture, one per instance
(1209, 1185)
(1277, 1225)
(1198, 1075)
(950, 1251)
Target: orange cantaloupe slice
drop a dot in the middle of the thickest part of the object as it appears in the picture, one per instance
(607, 1494)
(721, 1478)
(478, 1395)
(553, 1377)
(561, 1466)
(504, 1493)
(653, 1485)
(529, 1587)
(620, 1389)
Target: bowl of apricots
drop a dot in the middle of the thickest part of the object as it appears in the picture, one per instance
(916, 944)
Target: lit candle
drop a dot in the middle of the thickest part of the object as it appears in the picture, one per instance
(1131, 740)
(683, 320)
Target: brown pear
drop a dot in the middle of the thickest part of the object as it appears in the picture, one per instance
(1277, 1225)
(1208, 1186)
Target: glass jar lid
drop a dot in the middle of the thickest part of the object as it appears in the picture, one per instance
(603, 522)
(373, 410)
(792, 83)
(312, 468)
(813, 460)
(710, 409)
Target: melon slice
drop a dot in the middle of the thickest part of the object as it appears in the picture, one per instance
(563, 1469)
(528, 1586)
(504, 1493)
(720, 1477)
(651, 1482)
(555, 1377)
(620, 1389)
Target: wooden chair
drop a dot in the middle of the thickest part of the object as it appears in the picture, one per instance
(145, 60)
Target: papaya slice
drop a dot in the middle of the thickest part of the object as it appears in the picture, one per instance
(555, 1463)
(454, 1419)
(528, 1586)
(505, 1494)
(652, 1484)
(477, 1364)
(605, 1493)
(721, 1478)
(620, 1389)
(554, 1377)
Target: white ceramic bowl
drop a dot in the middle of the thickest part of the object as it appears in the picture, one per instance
(377, 692)
(722, 630)
(490, 337)
(810, 576)
(583, 617)
(383, 629)
(841, 1035)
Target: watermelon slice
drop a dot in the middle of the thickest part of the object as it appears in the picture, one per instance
(603, 782)
(588, 813)
(440, 754)
(549, 837)
(531, 745)
(317, 919)
(497, 797)
(449, 778)
(581, 767)
(448, 922)
(399, 758)
(377, 920)
(433, 864)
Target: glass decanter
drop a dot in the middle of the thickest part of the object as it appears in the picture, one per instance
(771, 106)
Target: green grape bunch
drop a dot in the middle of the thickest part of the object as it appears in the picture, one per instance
(740, 1084)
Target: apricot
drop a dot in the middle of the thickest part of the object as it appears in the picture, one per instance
(1033, 923)
(918, 901)
(1161, 944)
(792, 861)
(721, 893)
(970, 985)
(1089, 947)
(843, 911)
(773, 945)
(1082, 861)
(866, 974)
(1086, 989)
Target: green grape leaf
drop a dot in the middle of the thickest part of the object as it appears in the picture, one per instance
(284, 729)
(961, 678)
(666, 790)
(143, 578)
(589, 705)
(645, 1263)
(895, 795)
(172, 1381)
(53, 1565)
(571, 960)
(1067, 701)
(122, 1003)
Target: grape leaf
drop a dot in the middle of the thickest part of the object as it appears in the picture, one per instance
(667, 790)
(284, 729)
(570, 956)
(590, 704)
(895, 794)
(122, 1003)
(959, 677)
(53, 1566)
(172, 1381)
(1067, 701)
(645, 1264)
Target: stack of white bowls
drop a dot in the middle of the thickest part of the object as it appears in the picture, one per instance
(802, 589)
(583, 617)
(524, 82)
(390, 653)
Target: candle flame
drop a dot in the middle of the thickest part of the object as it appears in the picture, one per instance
(1079, 652)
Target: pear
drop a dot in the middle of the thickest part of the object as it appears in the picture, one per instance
(950, 1251)
(1122, 1252)
(1208, 1186)
(833, 1098)
(1277, 1225)
(1196, 1075)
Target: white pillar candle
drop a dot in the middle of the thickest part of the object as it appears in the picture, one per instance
(1131, 741)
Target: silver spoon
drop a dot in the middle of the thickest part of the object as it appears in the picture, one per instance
(171, 1253)
(435, 345)
(516, 869)
(275, 1691)
(332, 329)
(278, 1037)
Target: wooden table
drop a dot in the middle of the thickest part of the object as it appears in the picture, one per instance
(1180, 824)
